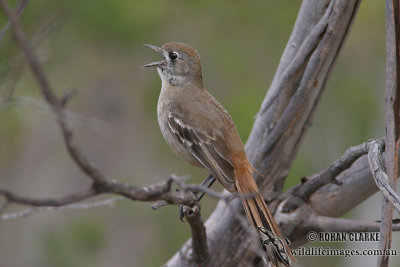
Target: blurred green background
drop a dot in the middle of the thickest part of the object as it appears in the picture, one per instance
(95, 48)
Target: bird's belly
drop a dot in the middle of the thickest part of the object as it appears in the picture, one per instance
(177, 147)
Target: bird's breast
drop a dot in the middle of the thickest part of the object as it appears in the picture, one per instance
(164, 108)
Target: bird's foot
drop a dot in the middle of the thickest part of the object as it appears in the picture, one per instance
(276, 243)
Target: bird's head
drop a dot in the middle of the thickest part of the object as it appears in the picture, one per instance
(181, 64)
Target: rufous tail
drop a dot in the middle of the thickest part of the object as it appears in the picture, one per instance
(259, 216)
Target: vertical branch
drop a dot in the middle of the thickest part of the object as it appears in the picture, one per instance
(201, 254)
(392, 120)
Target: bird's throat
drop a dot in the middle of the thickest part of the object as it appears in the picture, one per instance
(167, 78)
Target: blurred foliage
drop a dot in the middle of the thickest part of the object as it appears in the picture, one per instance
(95, 48)
(77, 245)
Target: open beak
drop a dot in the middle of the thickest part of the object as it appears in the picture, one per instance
(157, 63)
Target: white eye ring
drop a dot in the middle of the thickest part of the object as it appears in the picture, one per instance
(173, 55)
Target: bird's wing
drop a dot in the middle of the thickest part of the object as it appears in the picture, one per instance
(206, 148)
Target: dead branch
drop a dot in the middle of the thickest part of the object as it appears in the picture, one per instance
(161, 191)
(49, 202)
(305, 190)
(380, 177)
(392, 107)
(306, 220)
(199, 238)
(76, 206)
(329, 224)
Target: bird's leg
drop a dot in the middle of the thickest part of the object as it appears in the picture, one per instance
(207, 183)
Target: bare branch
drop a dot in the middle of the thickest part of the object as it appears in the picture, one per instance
(76, 120)
(305, 219)
(392, 121)
(331, 200)
(291, 102)
(329, 224)
(162, 191)
(159, 204)
(77, 206)
(195, 188)
(305, 190)
(185, 256)
(199, 238)
(380, 177)
(53, 202)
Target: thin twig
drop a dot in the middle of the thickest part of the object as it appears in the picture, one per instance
(53, 202)
(18, 63)
(20, 8)
(77, 206)
(77, 120)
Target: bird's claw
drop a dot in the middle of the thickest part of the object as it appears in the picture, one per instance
(276, 243)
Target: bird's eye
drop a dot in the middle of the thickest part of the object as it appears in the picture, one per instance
(173, 55)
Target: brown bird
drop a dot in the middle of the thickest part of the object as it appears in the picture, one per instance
(201, 132)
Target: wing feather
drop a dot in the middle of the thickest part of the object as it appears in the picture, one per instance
(204, 148)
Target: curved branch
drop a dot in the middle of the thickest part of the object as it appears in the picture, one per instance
(380, 177)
